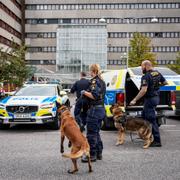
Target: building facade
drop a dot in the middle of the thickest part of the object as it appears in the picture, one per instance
(79, 46)
(44, 17)
(11, 23)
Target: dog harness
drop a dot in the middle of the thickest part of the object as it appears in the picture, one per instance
(122, 120)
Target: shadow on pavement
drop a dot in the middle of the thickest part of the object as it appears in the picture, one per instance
(27, 128)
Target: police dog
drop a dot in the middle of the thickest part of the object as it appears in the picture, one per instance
(70, 129)
(123, 124)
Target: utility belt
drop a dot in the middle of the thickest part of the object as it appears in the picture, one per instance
(148, 97)
(97, 106)
(97, 103)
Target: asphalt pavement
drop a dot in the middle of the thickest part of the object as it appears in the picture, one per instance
(32, 153)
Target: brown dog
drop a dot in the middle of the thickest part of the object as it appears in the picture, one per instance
(70, 129)
(123, 124)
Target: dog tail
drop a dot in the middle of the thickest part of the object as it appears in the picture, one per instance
(77, 155)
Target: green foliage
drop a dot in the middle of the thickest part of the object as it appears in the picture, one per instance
(176, 67)
(140, 50)
(12, 65)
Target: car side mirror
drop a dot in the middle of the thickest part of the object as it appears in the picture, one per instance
(67, 90)
(63, 93)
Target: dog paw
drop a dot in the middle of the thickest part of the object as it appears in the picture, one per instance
(72, 171)
(90, 170)
(62, 150)
(145, 147)
(119, 143)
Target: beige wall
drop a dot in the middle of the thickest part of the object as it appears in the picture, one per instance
(9, 36)
(156, 27)
(40, 42)
(12, 7)
(9, 20)
(41, 56)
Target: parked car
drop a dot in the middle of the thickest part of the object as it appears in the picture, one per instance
(33, 104)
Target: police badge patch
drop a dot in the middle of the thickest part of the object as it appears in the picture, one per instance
(93, 85)
(144, 82)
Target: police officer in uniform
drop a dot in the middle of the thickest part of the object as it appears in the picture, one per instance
(96, 113)
(80, 110)
(150, 84)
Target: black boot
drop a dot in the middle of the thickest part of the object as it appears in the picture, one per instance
(99, 156)
(84, 159)
(155, 144)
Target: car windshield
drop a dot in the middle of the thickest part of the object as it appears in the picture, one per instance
(163, 71)
(37, 91)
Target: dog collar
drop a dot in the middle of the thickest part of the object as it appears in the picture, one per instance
(121, 119)
(63, 110)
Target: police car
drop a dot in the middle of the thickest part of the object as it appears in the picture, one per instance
(124, 84)
(33, 104)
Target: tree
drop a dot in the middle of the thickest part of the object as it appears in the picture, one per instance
(176, 67)
(12, 65)
(140, 49)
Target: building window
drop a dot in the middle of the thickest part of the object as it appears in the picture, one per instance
(10, 13)
(17, 4)
(117, 49)
(6, 41)
(41, 62)
(10, 29)
(101, 6)
(147, 34)
(66, 21)
(41, 49)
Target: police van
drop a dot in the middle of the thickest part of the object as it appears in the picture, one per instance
(124, 84)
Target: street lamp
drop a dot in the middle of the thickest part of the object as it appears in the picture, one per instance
(127, 48)
(102, 20)
(154, 20)
(81, 68)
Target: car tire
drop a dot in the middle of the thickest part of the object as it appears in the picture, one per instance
(55, 125)
(4, 126)
(67, 103)
(103, 127)
(107, 125)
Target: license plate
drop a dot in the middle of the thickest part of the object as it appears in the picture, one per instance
(22, 115)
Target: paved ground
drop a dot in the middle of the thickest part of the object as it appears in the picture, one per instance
(31, 152)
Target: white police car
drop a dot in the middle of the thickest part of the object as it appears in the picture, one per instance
(33, 104)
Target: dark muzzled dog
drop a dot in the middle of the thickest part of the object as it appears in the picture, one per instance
(133, 124)
(70, 129)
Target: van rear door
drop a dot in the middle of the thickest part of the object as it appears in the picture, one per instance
(133, 82)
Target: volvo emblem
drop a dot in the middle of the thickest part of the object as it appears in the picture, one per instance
(21, 109)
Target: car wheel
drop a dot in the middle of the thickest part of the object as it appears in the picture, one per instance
(103, 127)
(55, 125)
(108, 124)
(4, 126)
(67, 103)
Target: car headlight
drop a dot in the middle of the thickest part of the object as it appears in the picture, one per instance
(47, 106)
(2, 106)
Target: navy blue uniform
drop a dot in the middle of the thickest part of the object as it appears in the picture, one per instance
(152, 79)
(95, 115)
(80, 110)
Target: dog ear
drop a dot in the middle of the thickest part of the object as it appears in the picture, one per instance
(111, 108)
(120, 103)
(60, 108)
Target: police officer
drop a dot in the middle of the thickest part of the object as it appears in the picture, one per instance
(80, 110)
(96, 113)
(150, 83)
